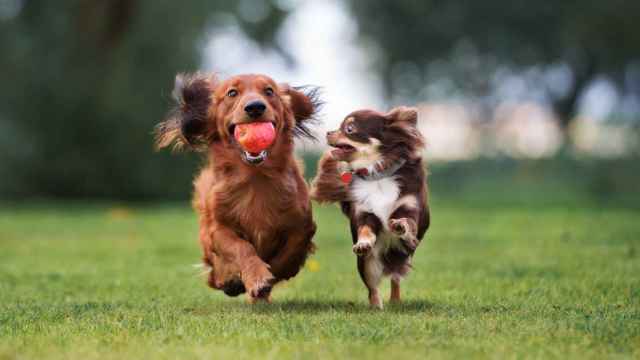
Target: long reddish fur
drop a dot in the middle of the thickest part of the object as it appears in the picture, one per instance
(256, 223)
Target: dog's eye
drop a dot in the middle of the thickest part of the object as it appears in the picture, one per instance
(268, 91)
(232, 93)
(350, 129)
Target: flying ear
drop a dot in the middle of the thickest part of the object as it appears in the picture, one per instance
(186, 126)
(403, 132)
(403, 114)
(304, 102)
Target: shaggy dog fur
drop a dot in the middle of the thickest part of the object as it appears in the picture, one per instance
(256, 226)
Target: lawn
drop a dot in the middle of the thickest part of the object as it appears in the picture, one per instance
(491, 280)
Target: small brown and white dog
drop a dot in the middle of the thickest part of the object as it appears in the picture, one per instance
(375, 172)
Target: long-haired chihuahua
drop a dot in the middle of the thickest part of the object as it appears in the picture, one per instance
(375, 171)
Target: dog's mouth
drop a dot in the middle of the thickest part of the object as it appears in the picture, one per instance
(250, 157)
(341, 149)
(232, 128)
(254, 158)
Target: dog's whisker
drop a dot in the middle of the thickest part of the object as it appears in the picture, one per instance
(203, 273)
(204, 269)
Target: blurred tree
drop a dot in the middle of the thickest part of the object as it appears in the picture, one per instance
(469, 42)
(84, 82)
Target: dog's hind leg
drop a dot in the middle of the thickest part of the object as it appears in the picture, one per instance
(395, 289)
(297, 245)
(365, 229)
(371, 271)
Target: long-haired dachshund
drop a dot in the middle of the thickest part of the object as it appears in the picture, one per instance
(375, 172)
(256, 226)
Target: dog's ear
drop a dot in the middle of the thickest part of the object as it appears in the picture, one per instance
(304, 102)
(187, 125)
(403, 133)
(403, 114)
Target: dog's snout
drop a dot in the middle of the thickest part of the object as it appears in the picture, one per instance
(255, 108)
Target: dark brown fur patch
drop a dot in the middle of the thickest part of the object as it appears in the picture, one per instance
(186, 125)
(327, 187)
(306, 105)
(402, 139)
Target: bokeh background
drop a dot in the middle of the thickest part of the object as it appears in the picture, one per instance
(531, 111)
(521, 102)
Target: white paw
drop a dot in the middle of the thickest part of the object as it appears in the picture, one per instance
(362, 248)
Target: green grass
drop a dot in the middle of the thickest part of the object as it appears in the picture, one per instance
(489, 281)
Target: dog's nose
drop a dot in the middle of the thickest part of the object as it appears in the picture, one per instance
(255, 109)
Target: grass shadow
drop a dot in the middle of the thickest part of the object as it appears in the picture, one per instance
(316, 307)
(411, 307)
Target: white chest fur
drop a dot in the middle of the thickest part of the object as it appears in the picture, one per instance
(376, 196)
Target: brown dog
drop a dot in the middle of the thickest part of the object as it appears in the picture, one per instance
(376, 173)
(255, 215)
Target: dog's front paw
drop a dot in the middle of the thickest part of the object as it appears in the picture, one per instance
(406, 230)
(403, 227)
(400, 226)
(261, 289)
(362, 248)
(257, 278)
(410, 243)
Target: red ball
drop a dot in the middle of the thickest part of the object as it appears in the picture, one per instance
(255, 137)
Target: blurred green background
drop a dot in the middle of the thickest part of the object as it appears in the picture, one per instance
(531, 112)
(84, 82)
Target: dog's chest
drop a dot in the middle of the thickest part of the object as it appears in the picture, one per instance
(376, 196)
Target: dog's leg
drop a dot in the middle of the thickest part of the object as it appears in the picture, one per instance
(374, 299)
(370, 269)
(297, 245)
(368, 226)
(404, 223)
(366, 241)
(237, 257)
(395, 289)
(253, 300)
